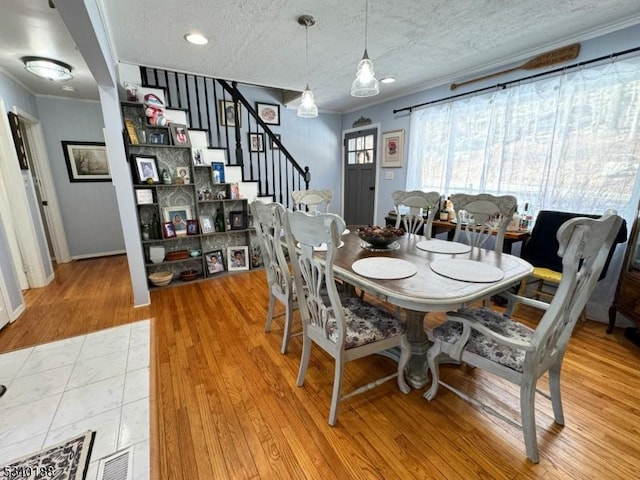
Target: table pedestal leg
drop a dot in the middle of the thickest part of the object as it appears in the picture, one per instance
(416, 372)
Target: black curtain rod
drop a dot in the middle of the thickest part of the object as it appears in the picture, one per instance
(528, 77)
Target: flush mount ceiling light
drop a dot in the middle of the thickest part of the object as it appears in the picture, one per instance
(196, 39)
(365, 84)
(307, 107)
(53, 70)
(387, 80)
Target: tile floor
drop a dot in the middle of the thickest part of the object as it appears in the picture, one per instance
(95, 382)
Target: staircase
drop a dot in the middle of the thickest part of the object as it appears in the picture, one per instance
(198, 102)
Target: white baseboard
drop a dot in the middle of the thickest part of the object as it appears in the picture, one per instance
(98, 254)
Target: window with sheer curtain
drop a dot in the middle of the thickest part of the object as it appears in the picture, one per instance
(566, 143)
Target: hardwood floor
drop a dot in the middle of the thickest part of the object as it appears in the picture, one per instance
(225, 404)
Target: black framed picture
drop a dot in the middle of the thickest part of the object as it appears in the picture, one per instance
(238, 220)
(227, 114)
(86, 161)
(146, 168)
(215, 262)
(274, 145)
(256, 142)
(14, 121)
(179, 135)
(268, 113)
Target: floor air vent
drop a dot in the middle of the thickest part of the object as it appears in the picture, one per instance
(118, 466)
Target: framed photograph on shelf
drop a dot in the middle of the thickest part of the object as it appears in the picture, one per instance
(131, 131)
(178, 216)
(392, 149)
(146, 167)
(179, 135)
(215, 262)
(268, 113)
(238, 220)
(192, 227)
(168, 230)
(256, 142)
(237, 258)
(183, 176)
(274, 145)
(144, 196)
(86, 161)
(206, 224)
(217, 172)
(227, 114)
(197, 156)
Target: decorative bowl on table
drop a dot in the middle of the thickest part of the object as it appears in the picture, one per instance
(187, 275)
(161, 279)
(380, 237)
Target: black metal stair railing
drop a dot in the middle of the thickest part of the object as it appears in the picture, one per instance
(204, 100)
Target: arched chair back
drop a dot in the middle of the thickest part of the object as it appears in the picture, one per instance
(347, 329)
(313, 201)
(272, 232)
(485, 214)
(487, 339)
(420, 205)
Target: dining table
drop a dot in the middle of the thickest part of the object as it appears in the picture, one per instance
(423, 275)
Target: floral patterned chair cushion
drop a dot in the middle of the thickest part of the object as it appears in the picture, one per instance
(450, 332)
(365, 324)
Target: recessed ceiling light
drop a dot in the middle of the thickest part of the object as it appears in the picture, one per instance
(196, 39)
(53, 70)
(387, 80)
(69, 88)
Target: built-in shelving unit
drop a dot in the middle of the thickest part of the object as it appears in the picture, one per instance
(190, 205)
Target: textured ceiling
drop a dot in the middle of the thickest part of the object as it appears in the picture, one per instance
(421, 43)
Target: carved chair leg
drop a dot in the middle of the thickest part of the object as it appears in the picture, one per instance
(287, 327)
(337, 386)
(528, 415)
(304, 359)
(554, 390)
(272, 303)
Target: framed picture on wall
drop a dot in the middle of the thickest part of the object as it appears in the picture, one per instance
(268, 113)
(392, 149)
(86, 161)
(274, 145)
(256, 142)
(227, 114)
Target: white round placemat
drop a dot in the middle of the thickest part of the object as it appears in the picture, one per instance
(383, 268)
(441, 246)
(467, 270)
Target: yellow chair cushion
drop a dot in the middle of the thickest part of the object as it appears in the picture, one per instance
(547, 275)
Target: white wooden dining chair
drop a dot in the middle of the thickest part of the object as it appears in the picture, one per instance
(313, 201)
(347, 329)
(269, 229)
(489, 212)
(419, 203)
(499, 344)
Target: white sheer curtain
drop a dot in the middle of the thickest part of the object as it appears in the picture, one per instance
(568, 143)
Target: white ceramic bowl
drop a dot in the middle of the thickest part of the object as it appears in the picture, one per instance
(161, 279)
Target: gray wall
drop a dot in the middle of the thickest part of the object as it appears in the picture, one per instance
(89, 209)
